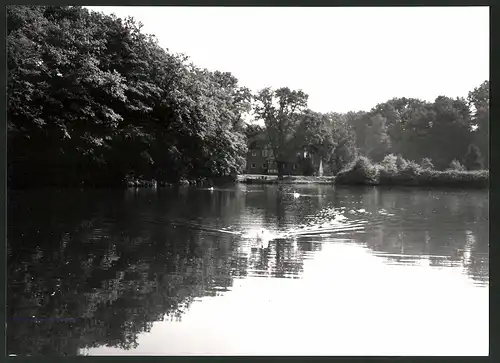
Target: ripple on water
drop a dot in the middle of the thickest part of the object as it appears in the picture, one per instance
(219, 282)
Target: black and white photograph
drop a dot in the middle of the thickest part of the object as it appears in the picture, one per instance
(247, 181)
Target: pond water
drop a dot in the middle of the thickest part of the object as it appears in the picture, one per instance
(248, 270)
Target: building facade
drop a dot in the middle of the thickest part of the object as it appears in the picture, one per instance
(260, 160)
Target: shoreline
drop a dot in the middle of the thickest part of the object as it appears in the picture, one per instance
(331, 180)
(463, 183)
(291, 179)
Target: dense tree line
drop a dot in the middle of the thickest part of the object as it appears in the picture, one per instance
(92, 100)
(445, 133)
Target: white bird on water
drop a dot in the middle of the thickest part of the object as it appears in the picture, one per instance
(263, 238)
(260, 234)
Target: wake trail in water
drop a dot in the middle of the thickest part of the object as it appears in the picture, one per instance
(203, 228)
(326, 222)
(197, 226)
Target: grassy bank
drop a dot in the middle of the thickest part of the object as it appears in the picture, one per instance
(292, 179)
(397, 171)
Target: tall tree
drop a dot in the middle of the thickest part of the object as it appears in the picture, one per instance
(56, 85)
(358, 123)
(479, 102)
(449, 134)
(280, 110)
(93, 95)
(473, 159)
(398, 113)
(344, 141)
(314, 135)
(377, 141)
(252, 130)
(415, 142)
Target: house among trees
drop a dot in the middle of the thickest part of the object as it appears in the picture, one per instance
(260, 159)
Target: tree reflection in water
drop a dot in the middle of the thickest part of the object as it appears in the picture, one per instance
(90, 269)
(94, 268)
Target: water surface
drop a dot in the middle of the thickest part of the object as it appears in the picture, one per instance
(338, 271)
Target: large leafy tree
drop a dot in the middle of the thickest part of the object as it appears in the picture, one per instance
(479, 102)
(344, 141)
(371, 133)
(314, 133)
(206, 122)
(449, 134)
(91, 77)
(358, 123)
(415, 139)
(91, 98)
(398, 114)
(377, 140)
(473, 159)
(418, 129)
(54, 90)
(280, 109)
(253, 129)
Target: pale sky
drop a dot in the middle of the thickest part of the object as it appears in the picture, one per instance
(346, 59)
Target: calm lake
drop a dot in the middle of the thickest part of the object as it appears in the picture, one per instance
(248, 270)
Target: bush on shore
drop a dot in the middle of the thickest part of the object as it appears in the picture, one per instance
(455, 165)
(360, 172)
(394, 170)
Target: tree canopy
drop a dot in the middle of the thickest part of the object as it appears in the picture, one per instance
(92, 95)
(280, 110)
(92, 99)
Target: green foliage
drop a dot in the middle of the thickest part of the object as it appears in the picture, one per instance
(401, 162)
(280, 110)
(398, 171)
(440, 130)
(377, 142)
(390, 163)
(479, 102)
(450, 134)
(473, 159)
(252, 130)
(455, 165)
(388, 168)
(361, 171)
(458, 178)
(344, 141)
(358, 123)
(426, 163)
(314, 131)
(409, 174)
(92, 98)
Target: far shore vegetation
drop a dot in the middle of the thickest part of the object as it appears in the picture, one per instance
(93, 101)
(392, 171)
(398, 171)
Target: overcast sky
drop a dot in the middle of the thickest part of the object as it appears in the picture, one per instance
(346, 59)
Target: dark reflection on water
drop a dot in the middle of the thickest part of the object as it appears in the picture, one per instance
(88, 269)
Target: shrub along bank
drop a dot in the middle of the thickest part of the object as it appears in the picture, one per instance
(398, 171)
